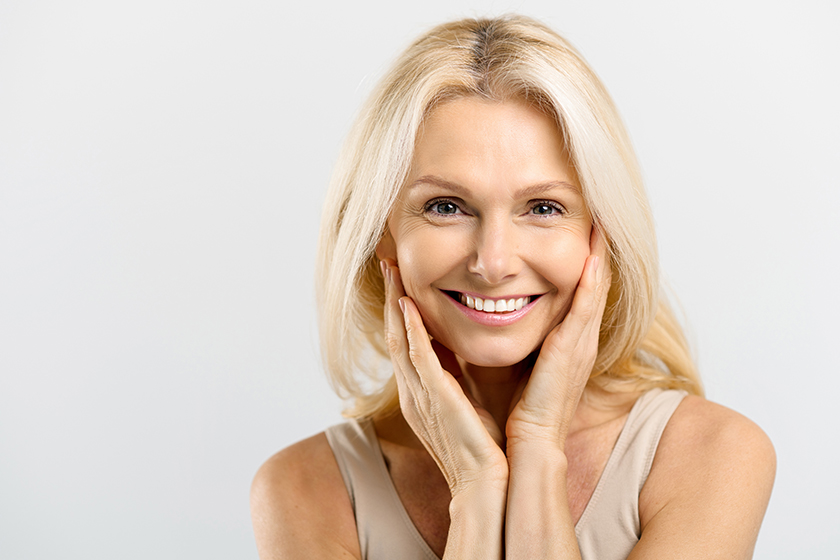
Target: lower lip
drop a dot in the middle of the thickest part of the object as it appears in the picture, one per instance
(492, 319)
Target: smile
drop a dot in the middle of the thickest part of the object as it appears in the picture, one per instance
(494, 306)
(493, 312)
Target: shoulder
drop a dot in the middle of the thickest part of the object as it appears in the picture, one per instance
(704, 434)
(300, 506)
(701, 426)
(710, 481)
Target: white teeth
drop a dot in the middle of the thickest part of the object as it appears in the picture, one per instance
(494, 306)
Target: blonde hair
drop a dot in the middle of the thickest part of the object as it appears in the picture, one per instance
(641, 344)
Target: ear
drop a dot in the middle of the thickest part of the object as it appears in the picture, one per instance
(387, 248)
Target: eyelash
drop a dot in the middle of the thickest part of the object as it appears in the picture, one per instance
(433, 203)
(551, 204)
(429, 207)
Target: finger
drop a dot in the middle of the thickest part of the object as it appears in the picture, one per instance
(419, 375)
(582, 323)
(442, 387)
(598, 246)
(583, 311)
(420, 350)
(417, 338)
(383, 266)
(395, 333)
(394, 272)
(597, 243)
(393, 291)
(433, 378)
(590, 296)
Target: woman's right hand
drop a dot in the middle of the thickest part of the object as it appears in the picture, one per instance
(455, 432)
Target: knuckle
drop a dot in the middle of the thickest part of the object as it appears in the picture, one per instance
(414, 355)
(392, 343)
(585, 314)
(406, 401)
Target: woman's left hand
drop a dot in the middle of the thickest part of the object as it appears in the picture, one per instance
(548, 402)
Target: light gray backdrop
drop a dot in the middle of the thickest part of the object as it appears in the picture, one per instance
(162, 168)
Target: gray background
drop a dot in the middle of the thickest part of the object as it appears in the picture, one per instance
(162, 169)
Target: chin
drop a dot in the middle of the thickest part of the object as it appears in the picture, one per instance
(500, 363)
(493, 355)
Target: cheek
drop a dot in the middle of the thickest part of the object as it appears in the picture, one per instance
(565, 266)
(423, 258)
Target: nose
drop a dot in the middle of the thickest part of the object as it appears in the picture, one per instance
(495, 256)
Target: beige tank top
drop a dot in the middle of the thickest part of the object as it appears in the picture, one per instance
(608, 529)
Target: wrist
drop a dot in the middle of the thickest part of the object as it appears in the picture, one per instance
(522, 427)
(476, 506)
(494, 482)
(536, 454)
(465, 497)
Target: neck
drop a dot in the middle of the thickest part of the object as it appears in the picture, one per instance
(496, 389)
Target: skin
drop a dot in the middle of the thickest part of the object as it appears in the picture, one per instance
(495, 454)
(512, 198)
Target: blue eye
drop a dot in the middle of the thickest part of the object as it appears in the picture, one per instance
(444, 207)
(547, 209)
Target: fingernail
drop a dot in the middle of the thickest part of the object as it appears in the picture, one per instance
(595, 262)
(402, 305)
(382, 268)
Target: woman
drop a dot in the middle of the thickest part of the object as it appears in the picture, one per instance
(487, 230)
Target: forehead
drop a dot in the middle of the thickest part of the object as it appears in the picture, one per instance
(472, 141)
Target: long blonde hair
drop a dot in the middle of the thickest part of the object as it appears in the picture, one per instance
(641, 344)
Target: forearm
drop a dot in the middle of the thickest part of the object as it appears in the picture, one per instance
(538, 522)
(476, 528)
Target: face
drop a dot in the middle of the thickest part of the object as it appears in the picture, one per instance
(491, 231)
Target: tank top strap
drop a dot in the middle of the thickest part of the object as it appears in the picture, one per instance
(610, 527)
(385, 530)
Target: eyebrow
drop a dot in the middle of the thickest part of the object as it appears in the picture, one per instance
(525, 192)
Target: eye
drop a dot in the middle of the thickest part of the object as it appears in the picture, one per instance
(547, 208)
(443, 207)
